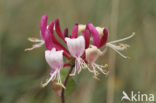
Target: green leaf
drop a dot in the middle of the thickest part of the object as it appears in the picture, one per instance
(71, 85)
(64, 72)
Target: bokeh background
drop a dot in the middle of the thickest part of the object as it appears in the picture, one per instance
(21, 72)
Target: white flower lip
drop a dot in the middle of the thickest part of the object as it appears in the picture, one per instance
(76, 46)
(54, 58)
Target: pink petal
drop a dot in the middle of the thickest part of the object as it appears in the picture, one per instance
(50, 44)
(48, 40)
(50, 28)
(54, 58)
(43, 25)
(76, 46)
(87, 38)
(104, 37)
(74, 31)
(58, 29)
(95, 34)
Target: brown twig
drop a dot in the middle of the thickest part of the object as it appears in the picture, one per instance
(65, 83)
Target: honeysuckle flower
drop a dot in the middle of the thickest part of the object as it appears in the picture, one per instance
(119, 47)
(100, 36)
(55, 60)
(92, 54)
(76, 47)
(81, 48)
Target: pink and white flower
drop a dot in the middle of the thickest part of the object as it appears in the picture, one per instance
(55, 60)
(92, 54)
(81, 51)
(76, 47)
(100, 36)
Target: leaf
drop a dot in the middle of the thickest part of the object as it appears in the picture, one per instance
(70, 87)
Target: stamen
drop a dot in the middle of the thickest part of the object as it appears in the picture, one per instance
(99, 67)
(79, 70)
(60, 84)
(52, 77)
(116, 41)
(90, 66)
(36, 40)
(96, 73)
(81, 64)
(121, 46)
(45, 84)
(84, 65)
(120, 53)
(73, 74)
(59, 80)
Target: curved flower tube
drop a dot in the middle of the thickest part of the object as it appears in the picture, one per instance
(58, 29)
(47, 35)
(55, 41)
(95, 34)
(87, 38)
(75, 31)
(43, 25)
(104, 37)
(100, 35)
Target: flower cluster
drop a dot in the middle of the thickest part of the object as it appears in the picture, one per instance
(81, 48)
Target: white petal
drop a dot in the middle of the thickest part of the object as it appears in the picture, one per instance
(76, 46)
(54, 58)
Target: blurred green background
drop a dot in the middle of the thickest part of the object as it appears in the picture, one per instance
(21, 72)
